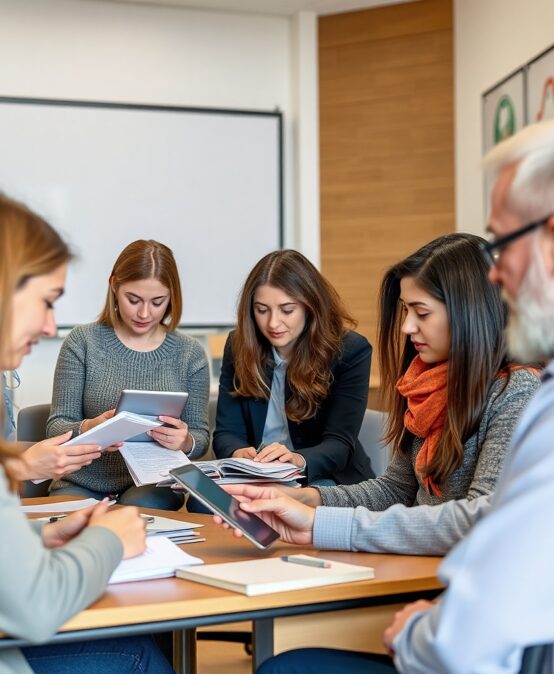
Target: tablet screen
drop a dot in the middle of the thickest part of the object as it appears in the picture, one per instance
(221, 503)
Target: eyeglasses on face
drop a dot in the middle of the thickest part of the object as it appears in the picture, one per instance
(491, 250)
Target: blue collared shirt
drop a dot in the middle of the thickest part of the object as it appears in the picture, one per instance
(276, 427)
(499, 578)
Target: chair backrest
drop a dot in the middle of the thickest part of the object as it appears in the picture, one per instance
(535, 659)
(31, 427)
(31, 423)
(371, 438)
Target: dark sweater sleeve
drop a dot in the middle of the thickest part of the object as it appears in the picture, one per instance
(343, 411)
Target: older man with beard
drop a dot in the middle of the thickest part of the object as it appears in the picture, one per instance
(500, 578)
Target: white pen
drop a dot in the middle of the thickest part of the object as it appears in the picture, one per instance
(305, 561)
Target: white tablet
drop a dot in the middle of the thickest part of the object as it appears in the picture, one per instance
(152, 403)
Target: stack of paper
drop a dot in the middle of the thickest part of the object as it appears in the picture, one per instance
(176, 530)
(150, 463)
(225, 471)
(161, 559)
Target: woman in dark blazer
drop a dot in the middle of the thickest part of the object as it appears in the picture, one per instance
(294, 379)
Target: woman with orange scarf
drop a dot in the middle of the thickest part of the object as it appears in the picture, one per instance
(453, 401)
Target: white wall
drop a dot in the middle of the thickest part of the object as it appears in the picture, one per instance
(145, 54)
(491, 38)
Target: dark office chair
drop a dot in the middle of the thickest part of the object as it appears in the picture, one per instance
(535, 659)
(31, 427)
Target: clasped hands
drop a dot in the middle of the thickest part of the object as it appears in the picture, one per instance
(273, 452)
(124, 522)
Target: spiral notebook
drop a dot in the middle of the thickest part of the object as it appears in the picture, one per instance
(265, 576)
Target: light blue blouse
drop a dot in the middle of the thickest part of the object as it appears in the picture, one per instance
(276, 427)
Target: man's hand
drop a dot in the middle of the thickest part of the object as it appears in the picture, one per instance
(400, 619)
(293, 521)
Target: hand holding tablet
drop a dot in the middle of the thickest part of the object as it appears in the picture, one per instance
(220, 503)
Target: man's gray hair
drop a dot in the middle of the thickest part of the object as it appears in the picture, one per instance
(532, 150)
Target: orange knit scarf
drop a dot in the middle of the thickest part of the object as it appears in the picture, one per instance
(426, 391)
(425, 388)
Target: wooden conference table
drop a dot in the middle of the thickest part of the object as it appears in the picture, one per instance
(179, 605)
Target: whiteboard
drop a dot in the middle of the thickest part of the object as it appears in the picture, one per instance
(207, 183)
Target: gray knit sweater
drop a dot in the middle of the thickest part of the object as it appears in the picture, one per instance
(94, 366)
(483, 457)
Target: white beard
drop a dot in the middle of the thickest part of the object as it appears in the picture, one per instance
(530, 331)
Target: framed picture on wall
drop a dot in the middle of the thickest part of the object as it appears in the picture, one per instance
(540, 87)
(504, 109)
(504, 113)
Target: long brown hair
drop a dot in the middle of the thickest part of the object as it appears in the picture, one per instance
(452, 270)
(30, 247)
(308, 368)
(144, 260)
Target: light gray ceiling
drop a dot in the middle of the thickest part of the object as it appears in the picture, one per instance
(279, 7)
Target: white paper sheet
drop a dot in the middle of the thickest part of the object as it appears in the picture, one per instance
(149, 463)
(160, 560)
(54, 506)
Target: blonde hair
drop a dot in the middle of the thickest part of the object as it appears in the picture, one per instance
(30, 247)
(144, 260)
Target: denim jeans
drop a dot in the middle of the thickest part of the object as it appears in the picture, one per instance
(327, 661)
(128, 655)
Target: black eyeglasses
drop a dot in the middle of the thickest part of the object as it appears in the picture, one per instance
(491, 250)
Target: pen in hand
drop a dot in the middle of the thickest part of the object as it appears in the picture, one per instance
(306, 561)
(260, 447)
(55, 518)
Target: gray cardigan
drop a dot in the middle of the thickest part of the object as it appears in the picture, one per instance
(94, 366)
(41, 588)
(393, 525)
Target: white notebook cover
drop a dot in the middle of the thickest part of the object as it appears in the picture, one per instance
(264, 576)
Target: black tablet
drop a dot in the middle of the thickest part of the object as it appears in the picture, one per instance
(223, 504)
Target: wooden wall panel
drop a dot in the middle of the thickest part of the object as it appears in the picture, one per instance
(386, 143)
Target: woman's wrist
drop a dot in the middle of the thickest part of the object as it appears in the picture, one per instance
(311, 496)
(189, 444)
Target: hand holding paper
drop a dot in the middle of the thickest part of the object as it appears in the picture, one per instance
(120, 427)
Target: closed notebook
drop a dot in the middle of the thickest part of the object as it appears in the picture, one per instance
(264, 576)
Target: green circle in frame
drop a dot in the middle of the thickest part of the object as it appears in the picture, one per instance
(504, 119)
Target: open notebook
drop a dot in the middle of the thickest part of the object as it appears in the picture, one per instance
(264, 576)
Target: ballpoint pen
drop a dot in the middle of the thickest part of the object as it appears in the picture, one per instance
(260, 447)
(306, 561)
(55, 518)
